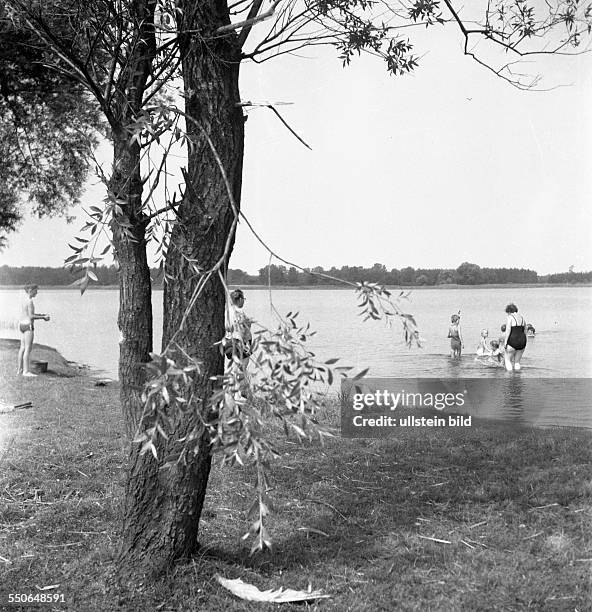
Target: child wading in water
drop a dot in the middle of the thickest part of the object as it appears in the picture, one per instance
(502, 338)
(494, 356)
(483, 350)
(26, 326)
(455, 335)
(497, 355)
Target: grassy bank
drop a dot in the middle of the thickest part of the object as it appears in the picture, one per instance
(481, 519)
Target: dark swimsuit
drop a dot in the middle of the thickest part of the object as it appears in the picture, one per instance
(25, 327)
(455, 343)
(517, 337)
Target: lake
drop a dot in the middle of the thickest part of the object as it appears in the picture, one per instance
(84, 329)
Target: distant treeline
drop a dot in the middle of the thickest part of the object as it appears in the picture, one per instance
(465, 274)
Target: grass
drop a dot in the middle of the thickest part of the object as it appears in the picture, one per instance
(445, 520)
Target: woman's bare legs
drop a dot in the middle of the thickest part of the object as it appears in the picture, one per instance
(512, 359)
(509, 356)
(517, 358)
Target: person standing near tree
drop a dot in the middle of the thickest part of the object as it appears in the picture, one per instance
(237, 341)
(26, 326)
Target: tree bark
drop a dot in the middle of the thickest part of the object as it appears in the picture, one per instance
(163, 507)
(134, 320)
(135, 290)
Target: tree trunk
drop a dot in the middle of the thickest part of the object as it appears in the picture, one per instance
(135, 290)
(163, 507)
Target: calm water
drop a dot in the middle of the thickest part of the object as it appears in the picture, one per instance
(84, 329)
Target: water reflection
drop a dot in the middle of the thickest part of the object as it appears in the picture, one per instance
(543, 402)
(513, 398)
(453, 369)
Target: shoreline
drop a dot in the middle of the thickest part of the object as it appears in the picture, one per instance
(59, 366)
(57, 363)
(447, 287)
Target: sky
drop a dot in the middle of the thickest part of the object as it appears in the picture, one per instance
(446, 165)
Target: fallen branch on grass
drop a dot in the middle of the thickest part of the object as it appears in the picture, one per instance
(312, 530)
(544, 507)
(478, 524)
(12, 407)
(434, 539)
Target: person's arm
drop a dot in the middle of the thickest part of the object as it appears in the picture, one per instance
(31, 313)
(227, 325)
(230, 321)
(36, 317)
(508, 330)
(462, 342)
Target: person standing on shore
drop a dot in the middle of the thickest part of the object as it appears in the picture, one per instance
(515, 339)
(26, 326)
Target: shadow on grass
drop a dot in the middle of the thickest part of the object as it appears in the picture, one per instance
(500, 505)
(55, 374)
(483, 519)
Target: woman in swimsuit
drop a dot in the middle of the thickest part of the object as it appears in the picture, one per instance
(515, 339)
(455, 335)
(26, 326)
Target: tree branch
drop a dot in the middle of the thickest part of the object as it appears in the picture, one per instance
(249, 23)
(246, 30)
(80, 72)
(289, 128)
